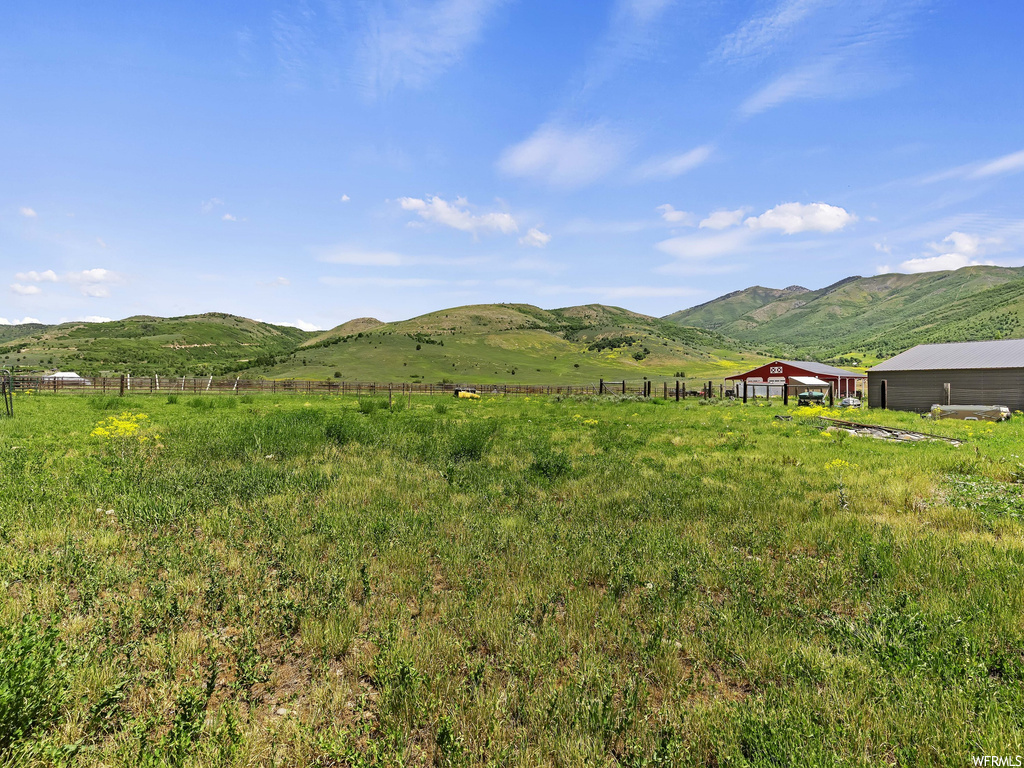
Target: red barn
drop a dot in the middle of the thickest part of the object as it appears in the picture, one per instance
(770, 378)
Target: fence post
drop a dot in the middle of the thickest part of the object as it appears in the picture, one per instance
(600, 388)
(122, 386)
(677, 390)
(623, 386)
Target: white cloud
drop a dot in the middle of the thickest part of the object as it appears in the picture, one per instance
(95, 319)
(302, 325)
(98, 275)
(792, 218)
(1010, 163)
(829, 49)
(208, 205)
(228, 217)
(565, 158)
(25, 290)
(345, 198)
(48, 276)
(28, 213)
(419, 41)
(94, 283)
(957, 249)
(811, 81)
(1005, 164)
(672, 216)
(535, 239)
(23, 321)
(440, 211)
(676, 165)
(760, 35)
(282, 281)
(100, 242)
(701, 247)
(946, 261)
(723, 219)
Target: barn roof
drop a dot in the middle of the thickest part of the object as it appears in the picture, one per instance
(1006, 353)
(819, 369)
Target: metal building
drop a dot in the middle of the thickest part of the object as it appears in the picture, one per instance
(964, 373)
(769, 379)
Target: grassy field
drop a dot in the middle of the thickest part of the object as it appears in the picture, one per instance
(515, 357)
(259, 581)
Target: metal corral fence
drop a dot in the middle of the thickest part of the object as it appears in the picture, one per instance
(138, 385)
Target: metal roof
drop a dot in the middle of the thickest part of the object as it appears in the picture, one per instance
(62, 375)
(817, 368)
(1006, 353)
(821, 368)
(809, 381)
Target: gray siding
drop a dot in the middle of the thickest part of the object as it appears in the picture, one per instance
(920, 390)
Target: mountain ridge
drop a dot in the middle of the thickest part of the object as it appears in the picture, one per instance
(871, 317)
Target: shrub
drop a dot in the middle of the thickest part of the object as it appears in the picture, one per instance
(550, 463)
(370, 405)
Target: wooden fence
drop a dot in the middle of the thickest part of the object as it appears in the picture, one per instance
(140, 385)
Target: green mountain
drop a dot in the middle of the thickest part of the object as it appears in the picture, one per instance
(512, 342)
(12, 333)
(725, 310)
(871, 318)
(194, 345)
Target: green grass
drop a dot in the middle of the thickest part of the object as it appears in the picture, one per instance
(503, 582)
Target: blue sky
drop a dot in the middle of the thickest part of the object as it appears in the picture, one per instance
(307, 162)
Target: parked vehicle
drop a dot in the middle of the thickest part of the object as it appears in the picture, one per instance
(810, 398)
(849, 402)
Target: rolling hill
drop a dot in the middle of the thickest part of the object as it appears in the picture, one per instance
(513, 342)
(870, 318)
(196, 345)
